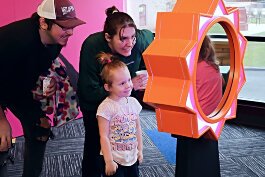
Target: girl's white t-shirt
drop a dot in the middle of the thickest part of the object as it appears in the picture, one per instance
(122, 117)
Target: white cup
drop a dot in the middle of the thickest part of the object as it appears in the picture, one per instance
(142, 72)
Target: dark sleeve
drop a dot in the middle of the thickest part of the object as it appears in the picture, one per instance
(90, 88)
(145, 38)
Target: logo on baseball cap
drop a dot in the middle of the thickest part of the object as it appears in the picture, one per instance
(62, 11)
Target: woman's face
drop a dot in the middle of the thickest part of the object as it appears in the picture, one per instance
(123, 42)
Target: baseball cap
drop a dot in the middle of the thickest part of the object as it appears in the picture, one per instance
(62, 11)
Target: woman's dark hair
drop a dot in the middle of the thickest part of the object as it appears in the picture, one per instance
(207, 53)
(110, 63)
(36, 18)
(115, 20)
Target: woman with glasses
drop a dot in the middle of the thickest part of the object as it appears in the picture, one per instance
(119, 37)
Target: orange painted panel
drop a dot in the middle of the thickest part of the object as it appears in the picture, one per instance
(171, 67)
(176, 121)
(183, 29)
(169, 47)
(202, 6)
(163, 91)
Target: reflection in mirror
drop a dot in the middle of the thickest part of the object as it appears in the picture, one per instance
(222, 50)
(209, 81)
(209, 99)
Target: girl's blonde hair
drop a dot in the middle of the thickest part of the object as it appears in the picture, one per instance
(110, 63)
(207, 53)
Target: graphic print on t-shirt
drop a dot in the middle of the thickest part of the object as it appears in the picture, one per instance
(123, 132)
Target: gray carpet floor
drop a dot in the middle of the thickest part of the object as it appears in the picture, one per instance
(241, 152)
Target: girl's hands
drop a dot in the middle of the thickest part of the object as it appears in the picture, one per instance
(140, 157)
(111, 168)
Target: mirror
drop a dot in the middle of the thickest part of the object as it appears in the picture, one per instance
(213, 68)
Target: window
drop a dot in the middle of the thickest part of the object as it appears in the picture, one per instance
(252, 23)
(146, 16)
(252, 26)
(142, 14)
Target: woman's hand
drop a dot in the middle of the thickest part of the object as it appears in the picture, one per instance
(140, 81)
(111, 168)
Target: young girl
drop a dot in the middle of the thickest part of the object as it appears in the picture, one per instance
(208, 78)
(191, 151)
(118, 121)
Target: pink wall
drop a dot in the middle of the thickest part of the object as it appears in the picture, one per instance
(93, 12)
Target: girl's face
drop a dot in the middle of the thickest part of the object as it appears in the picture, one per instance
(123, 42)
(121, 84)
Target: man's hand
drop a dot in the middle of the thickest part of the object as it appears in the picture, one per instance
(5, 132)
(51, 89)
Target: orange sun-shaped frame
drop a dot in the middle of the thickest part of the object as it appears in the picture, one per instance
(171, 62)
